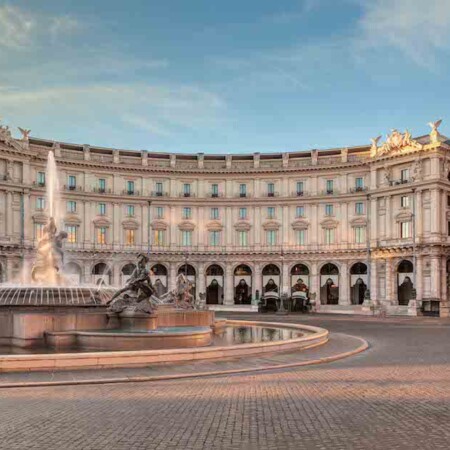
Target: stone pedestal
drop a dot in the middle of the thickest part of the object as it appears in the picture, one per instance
(130, 320)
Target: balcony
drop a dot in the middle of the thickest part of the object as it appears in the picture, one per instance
(187, 194)
(40, 184)
(216, 195)
(357, 189)
(70, 187)
(399, 182)
(159, 194)
(272, 194)
(330, 192)
(134, 193)
(98, 190)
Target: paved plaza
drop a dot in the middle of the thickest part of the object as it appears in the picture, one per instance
(396, 395)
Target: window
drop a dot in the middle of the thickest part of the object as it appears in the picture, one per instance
(243, 190)
(159, 189)
(301, 237)
(300, 211)
(242, 213)
(448, 228)
(72, 233)
(270, 212)
(129, 237)
(186, 238)
(214, 238)
(271, 237)
(101, 235)
(187, 213)
(214, 213)
(300, 188)
(160, 237)
(328, 210)
(404, 175)
(186, 189)
(38, 231)
(360, 235)
(448, 200)
(102, 209)
(404, 201)
(214, 190)
(405, 230)
(330, 186)
(359, 184)
(40, 203)
(71, 206)
(72, 181)
(243, 238)
(329, 235)
(130, 210)
(270, 189)
(101, 185)
(40, 179)
(130, 187)
(159, 212)
(359, 208)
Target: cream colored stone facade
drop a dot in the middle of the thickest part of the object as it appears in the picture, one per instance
(324, 209)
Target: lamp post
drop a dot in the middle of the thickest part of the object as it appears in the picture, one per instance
(281, 309)
(369, 253)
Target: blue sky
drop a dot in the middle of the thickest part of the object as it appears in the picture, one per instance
(224, 76)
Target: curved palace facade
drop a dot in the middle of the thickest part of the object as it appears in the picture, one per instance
(337, 221)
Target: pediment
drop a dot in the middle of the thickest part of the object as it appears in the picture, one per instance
(271, 225)
(159, 225)
(9, 141)
(242, 225)
(72, 219)
(214, 225)
(186, 225)
(40, 218)
(300, 224)
(102, 222)
(130, 224)
(329, 223)
(359, 222)
(403, 216)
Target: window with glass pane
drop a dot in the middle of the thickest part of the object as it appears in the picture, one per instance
(328, 210)
(41, 178)
(242, 213)
(301, 237)
(72, 233)
(40, 203)
(160, 237)
(186, 213)
(300, 211)
(404, 201)
(101, 184)
(405, 230)
(404, 174)
(270, 188)
(243, 238)
(159, 188)
(215, 189)
(270, 212)
(186, 189)
(72, 181)
(101, 235)
(129, 237)
(130, 187)
(186, 238)
(71, 206)
(271, 237)
(299, 187)
(329, 235)
(38, 231)
(359, 183)
(214, 238)
(102, 209)
(214, 213)
(359, 208)
(130, 210)
(360, 235)
(243, 189)
(330, 186)
(160, 212)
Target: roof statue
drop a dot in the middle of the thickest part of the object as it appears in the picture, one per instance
(434, 134)
(25, 133)
(374, 147)
(395, 143)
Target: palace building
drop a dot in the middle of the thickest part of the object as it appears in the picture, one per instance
(339, 221)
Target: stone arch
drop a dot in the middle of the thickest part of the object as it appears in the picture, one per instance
(329, 284)
(101, 273)
(405, 286)
(214, 284)
(358, 282)
(271, 278)
(73, 272)
(242, 282)
(126, 271)
(159, 276)
(191, 275)
(299, 275)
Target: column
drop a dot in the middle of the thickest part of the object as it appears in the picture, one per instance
(257, 280)
(172, 276)
(389, 279)
(419, 216)
(314, 228)
(228, 298)
(373, 221)
(285, 226)
(9, 215)
(145, 224)
(435, 271)
(257, 220)
(314, 287)
(374, 281)
(444, 306)
(173, 228)
(201, 279)
(344, 284)
(387, 226)
(435, 212)
(27, 229)
(26, 178)
(86, 268)
(285, 285)
(228, 227)
(116, 275)
(116, 224)
(345, 230)
(418, 282)
(87, 223)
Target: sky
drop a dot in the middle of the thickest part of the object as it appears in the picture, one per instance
(224, 76)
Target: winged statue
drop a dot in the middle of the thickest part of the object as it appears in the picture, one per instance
(374, 147)
(435, 125)
(25, 133)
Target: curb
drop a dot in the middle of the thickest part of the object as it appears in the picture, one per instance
(364, 346)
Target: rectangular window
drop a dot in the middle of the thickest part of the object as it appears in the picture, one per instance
(72, 233)
(101, 235)
(301, 237)
(38, 231)
(71, 206)
(159, 212)
(271, 237)
(270, 189)
(404, 175)
(404, 201)
(160, 237)
(186, 238)
(360, 235)
(215, 190)
(448, 200)
(359, 184)
(329, 235)
(270, 212)
(129, 237)
(448, 228)
(102, 209)
(243, 238)
(300, 211)
(242, 213)
(101, 185)
(130, 187)
(130, 210)
(243, 190)
(187, 213)
(214, 213)
(159, 189)
(40, 203)
(40, 178)
(405, 230)
(214, 238)
(72, 182)
(359, 208)
(299, 188)
(329, 210)
(186, 189)
(330, 186)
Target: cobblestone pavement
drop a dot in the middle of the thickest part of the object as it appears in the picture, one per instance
(396, 395)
